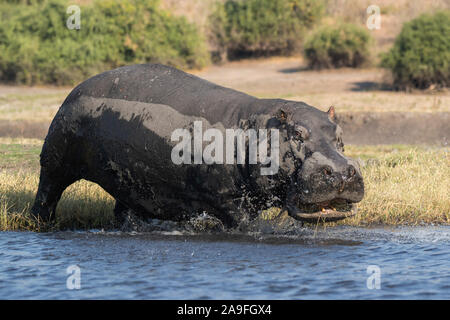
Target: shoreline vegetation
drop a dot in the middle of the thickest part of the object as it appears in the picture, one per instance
(405, 185)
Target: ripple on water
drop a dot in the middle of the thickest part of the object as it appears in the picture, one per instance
(328, 264)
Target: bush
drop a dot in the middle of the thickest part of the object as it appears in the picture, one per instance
(262, 27)
(420, 56)
(37, 47)
(341, 45)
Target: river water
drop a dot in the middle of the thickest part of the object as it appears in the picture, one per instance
(332, 263)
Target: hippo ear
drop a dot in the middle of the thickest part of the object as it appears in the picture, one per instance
(331, 114)
(244, 124)
(282, 115)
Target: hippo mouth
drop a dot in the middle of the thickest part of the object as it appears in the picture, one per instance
(334, 210)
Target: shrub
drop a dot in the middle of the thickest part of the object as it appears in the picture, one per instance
(420, 56)
(341, 45)
(37, 47)
(262, 27)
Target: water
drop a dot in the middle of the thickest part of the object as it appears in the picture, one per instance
(327, 264)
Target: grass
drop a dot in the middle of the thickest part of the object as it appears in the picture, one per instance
(404, 185)
(377, 102)
(83, 204)
(19, 153)
(32, 106)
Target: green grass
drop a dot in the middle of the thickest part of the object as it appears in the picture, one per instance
(19, 153)
(405, 185)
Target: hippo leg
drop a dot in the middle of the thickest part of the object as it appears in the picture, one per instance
(56, 174)
(49, 192)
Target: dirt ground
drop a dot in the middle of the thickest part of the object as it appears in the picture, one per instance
(288, 76)
(368, 110)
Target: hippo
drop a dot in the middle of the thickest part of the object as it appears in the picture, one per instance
(117, 128)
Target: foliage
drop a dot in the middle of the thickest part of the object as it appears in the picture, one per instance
(37, 47)
(341, 45)
(420, 56)
(262, 27)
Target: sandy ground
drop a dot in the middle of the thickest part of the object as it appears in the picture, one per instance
(347, 89)
(288, 77)
(368, 111)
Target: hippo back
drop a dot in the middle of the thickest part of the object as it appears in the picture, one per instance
(186, 93)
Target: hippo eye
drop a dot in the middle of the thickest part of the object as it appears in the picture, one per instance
(340, 144)
(301, 133)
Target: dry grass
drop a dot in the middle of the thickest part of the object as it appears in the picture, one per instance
(404, 185)
(7, 141)
(30, 105)
(83, 205)
(377, 101)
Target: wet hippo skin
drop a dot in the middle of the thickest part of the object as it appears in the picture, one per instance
(115, 129)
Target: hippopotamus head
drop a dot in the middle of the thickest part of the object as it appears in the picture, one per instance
(315, 178)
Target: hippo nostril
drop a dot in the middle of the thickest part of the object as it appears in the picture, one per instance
(342, 187)
(327, 171)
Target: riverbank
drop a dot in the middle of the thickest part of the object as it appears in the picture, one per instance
(367, 110)
(405, 185)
